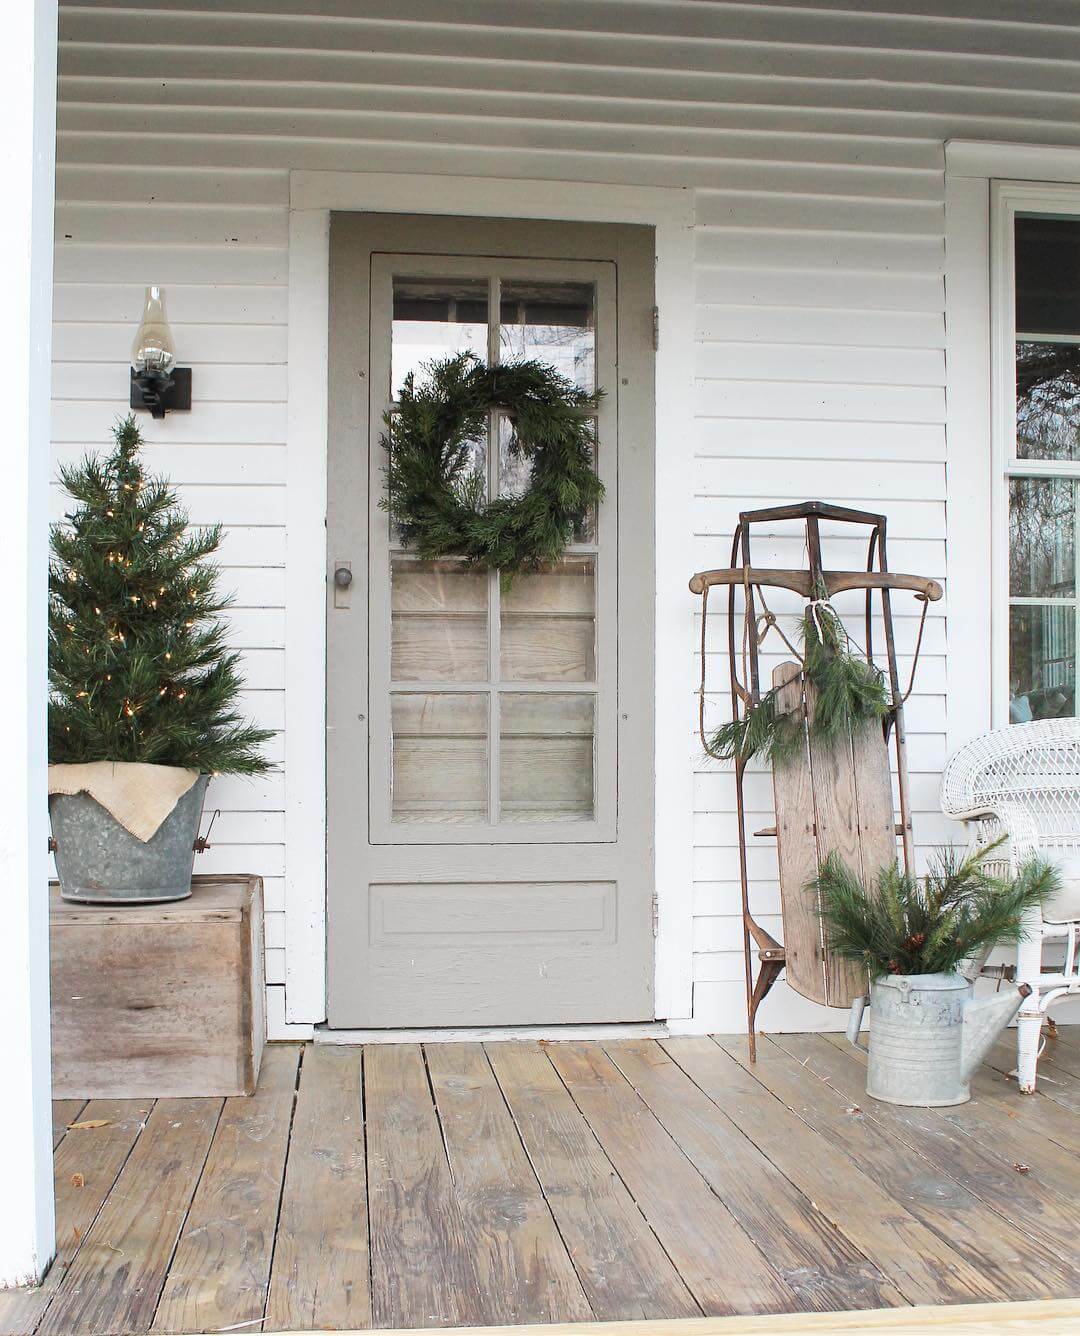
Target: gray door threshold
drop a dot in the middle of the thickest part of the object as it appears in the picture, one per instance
(491, 1033)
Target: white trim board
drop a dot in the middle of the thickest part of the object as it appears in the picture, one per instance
(981, 180)
(671, 212)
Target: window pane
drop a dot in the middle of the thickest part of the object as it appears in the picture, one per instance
(1047, 400)
(1047, 275)
(548, 624)
(515, 469)
(436, 318)
(473, 475)
(439, 625)
(1048, 367)
(440, 758)
(553, 323)
(1042, 537)
(1042, 662)
(546, 757)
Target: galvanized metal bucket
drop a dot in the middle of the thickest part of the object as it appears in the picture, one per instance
(98, 861)
(928, 1034)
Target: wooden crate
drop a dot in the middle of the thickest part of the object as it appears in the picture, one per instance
(159, 1000)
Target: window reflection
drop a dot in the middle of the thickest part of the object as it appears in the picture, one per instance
(436, 318)
(553, 323)
(1047, 330)
(1042, 662)
(1042, 537)
(1048, 400)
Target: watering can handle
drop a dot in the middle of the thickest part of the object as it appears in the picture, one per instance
(854, 1024)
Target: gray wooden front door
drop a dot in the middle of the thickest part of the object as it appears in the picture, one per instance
(489, 745)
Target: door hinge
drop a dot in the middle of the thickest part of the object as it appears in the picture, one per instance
(655, 328)
(656, 913)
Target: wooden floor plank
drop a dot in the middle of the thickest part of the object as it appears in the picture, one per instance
(724, 1270)
(422, 1271)
(1007, 1125)
(786, 1157)
(524, 1270)
(320, 1276)
(1059, 1084)
(220, 1272)
(1061, 1050)
(1023, 1120)
(950, 1197)
(623, 1268)
(547, 1183)
(114, 1282)
(85, 1167)
(65, 1111)
(1067, 1036)
(980, 1144)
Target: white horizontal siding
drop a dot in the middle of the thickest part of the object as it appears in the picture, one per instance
(812, 132)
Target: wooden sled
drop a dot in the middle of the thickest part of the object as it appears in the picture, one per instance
(834, 797)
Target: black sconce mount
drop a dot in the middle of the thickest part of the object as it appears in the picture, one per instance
(161, 392)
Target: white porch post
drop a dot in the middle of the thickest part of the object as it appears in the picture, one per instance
(27, 152)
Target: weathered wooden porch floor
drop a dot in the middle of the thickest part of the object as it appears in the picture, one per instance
(409, 1186)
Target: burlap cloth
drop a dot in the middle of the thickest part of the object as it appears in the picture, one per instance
(139, 796)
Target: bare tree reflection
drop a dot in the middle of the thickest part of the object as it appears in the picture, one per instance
(1047, 400)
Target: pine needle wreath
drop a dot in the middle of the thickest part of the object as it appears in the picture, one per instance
(849, 693)
(435, 492)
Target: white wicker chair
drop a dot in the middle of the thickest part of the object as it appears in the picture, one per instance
(1023, 782)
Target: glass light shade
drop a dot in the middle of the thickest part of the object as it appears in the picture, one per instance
(153, 349)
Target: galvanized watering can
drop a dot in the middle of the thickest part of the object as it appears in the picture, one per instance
(928, 1035)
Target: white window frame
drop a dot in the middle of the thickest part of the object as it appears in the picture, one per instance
(980, 179)
(1007, 200)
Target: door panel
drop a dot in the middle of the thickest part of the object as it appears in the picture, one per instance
(489, 860)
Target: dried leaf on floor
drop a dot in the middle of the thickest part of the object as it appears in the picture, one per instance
(88, 1123)
(77, 1181)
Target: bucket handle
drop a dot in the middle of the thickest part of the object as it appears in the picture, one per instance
(854, 1025)
(202, 842)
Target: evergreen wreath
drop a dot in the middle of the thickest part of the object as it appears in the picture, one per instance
(139, 669)
(849, 693)
(434, 491)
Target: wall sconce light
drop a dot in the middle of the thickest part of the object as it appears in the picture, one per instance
(157, 383)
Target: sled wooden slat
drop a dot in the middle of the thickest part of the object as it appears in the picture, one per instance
(793, 797)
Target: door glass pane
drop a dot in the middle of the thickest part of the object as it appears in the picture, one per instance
(436, 318)
(550, 322)
(1042, 537)
(515, 468)
(440, 757)
(1042, 661)
(546, 756)
(1048, 338)
(439, 621)
(548, 624)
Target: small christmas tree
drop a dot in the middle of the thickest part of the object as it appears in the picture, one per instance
(138, 665)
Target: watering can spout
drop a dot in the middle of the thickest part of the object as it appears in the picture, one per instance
(983, 1022)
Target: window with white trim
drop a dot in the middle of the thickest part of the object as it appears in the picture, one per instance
(1038, 419)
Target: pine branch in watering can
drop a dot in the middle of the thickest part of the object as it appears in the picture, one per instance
(904, 925)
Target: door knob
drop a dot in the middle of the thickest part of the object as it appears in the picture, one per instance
(343, 577)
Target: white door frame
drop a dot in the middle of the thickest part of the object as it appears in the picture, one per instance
(671, 212)
(974, 464)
